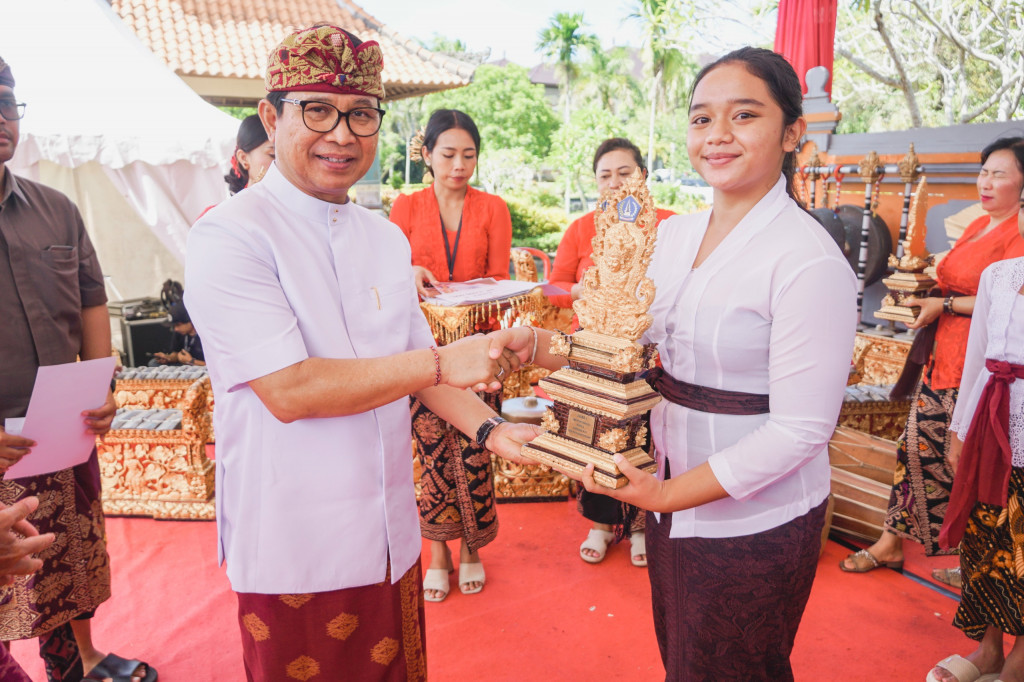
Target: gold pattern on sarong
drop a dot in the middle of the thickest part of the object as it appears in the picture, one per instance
(295, 600)
(259, 630)
(303, 668)
(384, 651)
(412, 600)
(343, 626)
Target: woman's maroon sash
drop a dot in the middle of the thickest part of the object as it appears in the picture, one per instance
(983, 473)
(704, 399)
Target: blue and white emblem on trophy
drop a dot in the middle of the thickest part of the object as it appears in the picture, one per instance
(629, 209)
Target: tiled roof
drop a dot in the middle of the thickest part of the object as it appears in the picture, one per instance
(232, 38)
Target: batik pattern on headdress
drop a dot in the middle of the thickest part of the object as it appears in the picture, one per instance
(6, 77)
(322, 59)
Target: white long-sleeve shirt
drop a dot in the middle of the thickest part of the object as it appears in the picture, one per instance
(771, 311)
(275, 276)
(997, 333)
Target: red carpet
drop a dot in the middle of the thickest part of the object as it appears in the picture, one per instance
(544, 615)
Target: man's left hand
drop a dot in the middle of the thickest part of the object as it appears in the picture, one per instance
(507, 440)
(98, 420)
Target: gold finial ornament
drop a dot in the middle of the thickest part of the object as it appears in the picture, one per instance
(600, 399)
(869, 168)
(909, 166)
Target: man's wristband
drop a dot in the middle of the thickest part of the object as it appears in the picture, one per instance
(484, 432)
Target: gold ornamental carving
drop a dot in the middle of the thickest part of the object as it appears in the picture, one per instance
(617, 291)
(614, 440)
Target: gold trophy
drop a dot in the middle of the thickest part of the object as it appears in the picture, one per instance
(909, 278)
(600, 403)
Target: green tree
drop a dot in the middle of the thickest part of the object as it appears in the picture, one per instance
(563, 41)
(607, 78)
(663, 22)
(574, 145)
(509, 110)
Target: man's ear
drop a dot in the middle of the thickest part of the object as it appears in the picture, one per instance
(268, 116)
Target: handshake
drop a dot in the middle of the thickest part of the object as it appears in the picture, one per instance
(482, 362)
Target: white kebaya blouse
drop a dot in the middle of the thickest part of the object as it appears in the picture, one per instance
(274, 276)
(997, 333)
(771, 311)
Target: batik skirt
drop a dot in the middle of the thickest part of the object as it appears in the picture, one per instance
(374, 633)
(729, 608)
(457, 480)
(992, 566)
(923, 478)
(75, 577)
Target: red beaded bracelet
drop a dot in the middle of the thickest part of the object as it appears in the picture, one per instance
(437, 365)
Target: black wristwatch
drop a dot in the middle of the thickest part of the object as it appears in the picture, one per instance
(484, 432)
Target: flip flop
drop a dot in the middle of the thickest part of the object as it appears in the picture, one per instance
(872, 564)
(948, 576)
(118, 669)
(637, 546)
(471, 573)
(962, 669)
(436, 579)
(597, 540)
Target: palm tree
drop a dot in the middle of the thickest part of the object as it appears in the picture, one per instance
(662, 24)
(608, 78)
(562, 41)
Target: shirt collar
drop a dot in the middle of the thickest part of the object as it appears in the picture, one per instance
(296, 200)
(10, 186)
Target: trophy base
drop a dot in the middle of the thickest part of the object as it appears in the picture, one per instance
(898, 313)
(572, 458)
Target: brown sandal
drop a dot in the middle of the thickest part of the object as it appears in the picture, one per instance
(871, 564)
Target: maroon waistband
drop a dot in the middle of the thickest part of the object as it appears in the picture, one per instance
(704, 399)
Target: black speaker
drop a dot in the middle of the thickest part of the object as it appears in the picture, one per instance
(142, 338)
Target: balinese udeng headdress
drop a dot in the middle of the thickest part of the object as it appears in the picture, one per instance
(323, 59)
(6, 77)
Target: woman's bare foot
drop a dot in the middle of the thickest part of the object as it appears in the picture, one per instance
(467, 557)
(888, 549)
(593, 553)
(440, 557)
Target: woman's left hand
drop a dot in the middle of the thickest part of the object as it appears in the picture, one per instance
(644, 490)
(931, 308)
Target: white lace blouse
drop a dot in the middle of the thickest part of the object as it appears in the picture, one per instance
(997, 333)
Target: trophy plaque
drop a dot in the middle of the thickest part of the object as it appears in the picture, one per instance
(909, 278)
(600, 403)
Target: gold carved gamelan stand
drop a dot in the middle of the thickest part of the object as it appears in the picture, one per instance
(909, 278)
(162, 474)
(600, 403)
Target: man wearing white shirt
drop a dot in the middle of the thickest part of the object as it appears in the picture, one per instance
(314, 339)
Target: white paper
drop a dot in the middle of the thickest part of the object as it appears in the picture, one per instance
(54, 419)
(478, 291)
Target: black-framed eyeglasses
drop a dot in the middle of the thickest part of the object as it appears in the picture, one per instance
(321, 117)
(12, 110)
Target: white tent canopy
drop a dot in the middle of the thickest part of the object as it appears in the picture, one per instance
(108, 124)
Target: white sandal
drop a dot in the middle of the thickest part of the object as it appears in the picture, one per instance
(597, 541)
(638, 546)
(436, 579)
(471, 573)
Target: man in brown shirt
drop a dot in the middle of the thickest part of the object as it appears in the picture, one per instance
(53, 308)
